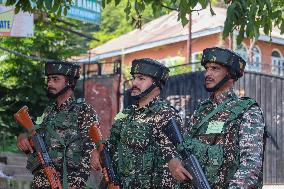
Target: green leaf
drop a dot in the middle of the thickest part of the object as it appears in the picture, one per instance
(48, 4)
(203, 3)
(116, 2)
(184, 20)
(10, 2)
(103, 3)
(240, 36)
(227, 28)
(65, 11)
(59, 12)
(282, 28)
(276, 14)
(17, 9)
(127, 10)
(39, 4)
(56, 6)
(250, 29)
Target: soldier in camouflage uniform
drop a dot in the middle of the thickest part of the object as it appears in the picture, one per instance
(139, 148)
(64, 126)
(226, 132)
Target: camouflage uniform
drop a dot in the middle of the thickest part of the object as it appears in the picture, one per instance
(140, 149)
(65, 129)
(138, 146)
(229, 145)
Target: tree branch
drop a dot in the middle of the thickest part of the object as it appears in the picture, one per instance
(77, 33)
(170, 8)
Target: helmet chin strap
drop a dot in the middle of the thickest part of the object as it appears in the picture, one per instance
(146, 92)
(54, 96)
(218, 85)
(68, 86)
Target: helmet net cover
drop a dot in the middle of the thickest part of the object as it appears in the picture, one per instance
(228, 58)
(62, 68)
(150, 67)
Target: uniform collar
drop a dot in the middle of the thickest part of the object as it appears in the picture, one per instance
(66, 103)
(225, 95)
(150, 104)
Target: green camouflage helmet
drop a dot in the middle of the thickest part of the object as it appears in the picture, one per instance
(150, 67)
(62, 68)
(228, 58)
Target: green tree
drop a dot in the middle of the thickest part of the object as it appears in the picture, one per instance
(114, 22)
(247, 16)
(22, 80)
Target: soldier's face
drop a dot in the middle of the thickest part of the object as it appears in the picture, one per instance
(140, 83)
(55, 83)
(214, 73)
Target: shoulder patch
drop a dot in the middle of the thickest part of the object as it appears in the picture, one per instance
(39, 120)
(120, 115)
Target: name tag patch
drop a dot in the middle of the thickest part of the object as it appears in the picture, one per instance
(215, 127)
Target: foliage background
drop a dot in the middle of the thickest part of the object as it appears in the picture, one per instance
(22, 80)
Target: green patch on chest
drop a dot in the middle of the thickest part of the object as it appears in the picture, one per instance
(215, 127)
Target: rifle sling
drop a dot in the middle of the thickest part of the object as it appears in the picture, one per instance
(55, 135)
(212, 113)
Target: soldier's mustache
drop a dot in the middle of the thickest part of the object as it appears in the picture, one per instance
(209, 79)
(50, 88)
(135, 88)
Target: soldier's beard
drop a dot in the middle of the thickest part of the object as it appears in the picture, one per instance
(55, 95)
(51, 95)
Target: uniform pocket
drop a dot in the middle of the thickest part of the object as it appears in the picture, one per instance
(214, 162)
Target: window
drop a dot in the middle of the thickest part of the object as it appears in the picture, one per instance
(256, 55)
(255, 65)
(277, 63)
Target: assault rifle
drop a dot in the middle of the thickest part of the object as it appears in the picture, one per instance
(36, 141)
(190, 162)
(107, 167)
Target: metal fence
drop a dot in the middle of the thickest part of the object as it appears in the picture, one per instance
(268, 91)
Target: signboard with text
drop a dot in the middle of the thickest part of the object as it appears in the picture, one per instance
(86, 11)
(16, 25)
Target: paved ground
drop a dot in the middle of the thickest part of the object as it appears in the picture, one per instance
(14, 175)
(273, 187)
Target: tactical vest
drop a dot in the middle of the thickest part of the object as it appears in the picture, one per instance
(62, 137)
(62, 134)
(218, 157)
(137, 150)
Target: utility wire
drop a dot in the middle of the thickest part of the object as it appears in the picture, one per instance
(27, 56)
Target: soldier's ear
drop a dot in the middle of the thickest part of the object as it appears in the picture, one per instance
(67, 80)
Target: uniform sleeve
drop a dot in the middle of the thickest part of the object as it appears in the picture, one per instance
(249, 174)
(165, 115)
(86, 117)
(114, 135)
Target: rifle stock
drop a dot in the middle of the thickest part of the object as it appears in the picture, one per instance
(36, 141)
(105, 160)
(190, 162)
